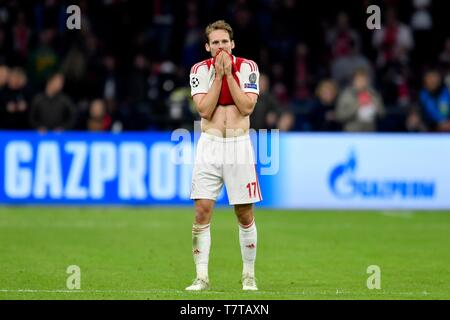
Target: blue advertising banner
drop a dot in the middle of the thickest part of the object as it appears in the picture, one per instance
(373, 171)
(296, 170)
(85, 168)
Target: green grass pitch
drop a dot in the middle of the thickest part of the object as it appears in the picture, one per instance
(145, 253)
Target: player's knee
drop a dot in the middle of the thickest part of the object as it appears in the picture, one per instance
(246, 220)
(244, 213)
(202, 213)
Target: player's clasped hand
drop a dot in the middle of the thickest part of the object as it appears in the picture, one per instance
(218, 64)
(227, 64)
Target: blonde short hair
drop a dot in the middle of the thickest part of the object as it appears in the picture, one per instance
(218, 25)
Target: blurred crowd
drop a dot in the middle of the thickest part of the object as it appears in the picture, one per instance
(321, 68)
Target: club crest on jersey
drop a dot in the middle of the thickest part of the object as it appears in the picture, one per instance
(252, 77)
(195, 82)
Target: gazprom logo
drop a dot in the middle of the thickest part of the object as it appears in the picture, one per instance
(344, 183)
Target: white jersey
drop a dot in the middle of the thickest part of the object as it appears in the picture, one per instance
(203, 73)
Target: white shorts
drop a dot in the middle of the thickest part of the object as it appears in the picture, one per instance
(225, 160)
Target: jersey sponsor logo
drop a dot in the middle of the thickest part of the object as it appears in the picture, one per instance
(252, 77)
(250, 86)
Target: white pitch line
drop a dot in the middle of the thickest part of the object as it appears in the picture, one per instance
(92, 291)
(424, 293)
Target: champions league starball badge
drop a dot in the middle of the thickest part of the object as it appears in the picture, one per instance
(195, 82)
(252, 77)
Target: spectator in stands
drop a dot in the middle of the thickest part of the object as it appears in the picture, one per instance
(110, 84)
(444, 57)
(414, 121)
(4, 76)
(422, 27)
(343, 68)
(16, 101)
(435, 101)
(21, 34)
(137, 93)
(303, 76)
(342, 40)
(279, 87)
(193, 40)
(111, 89)
(52, 109)
(286, 122)
(182, 110)
(323, 113)
(99, 119)
(267, 110)
(395, 80)
(74, 68)
(421, 19)
(359, 106)
(444, 62)
(393, 41)
(44, 60)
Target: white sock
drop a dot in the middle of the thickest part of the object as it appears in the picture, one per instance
(201, 243)
(248, 239)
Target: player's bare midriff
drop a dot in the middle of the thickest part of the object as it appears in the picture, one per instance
(226, 122)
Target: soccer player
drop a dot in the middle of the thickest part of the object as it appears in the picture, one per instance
(225, 90)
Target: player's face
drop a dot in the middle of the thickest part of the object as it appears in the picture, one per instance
(219, 39)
